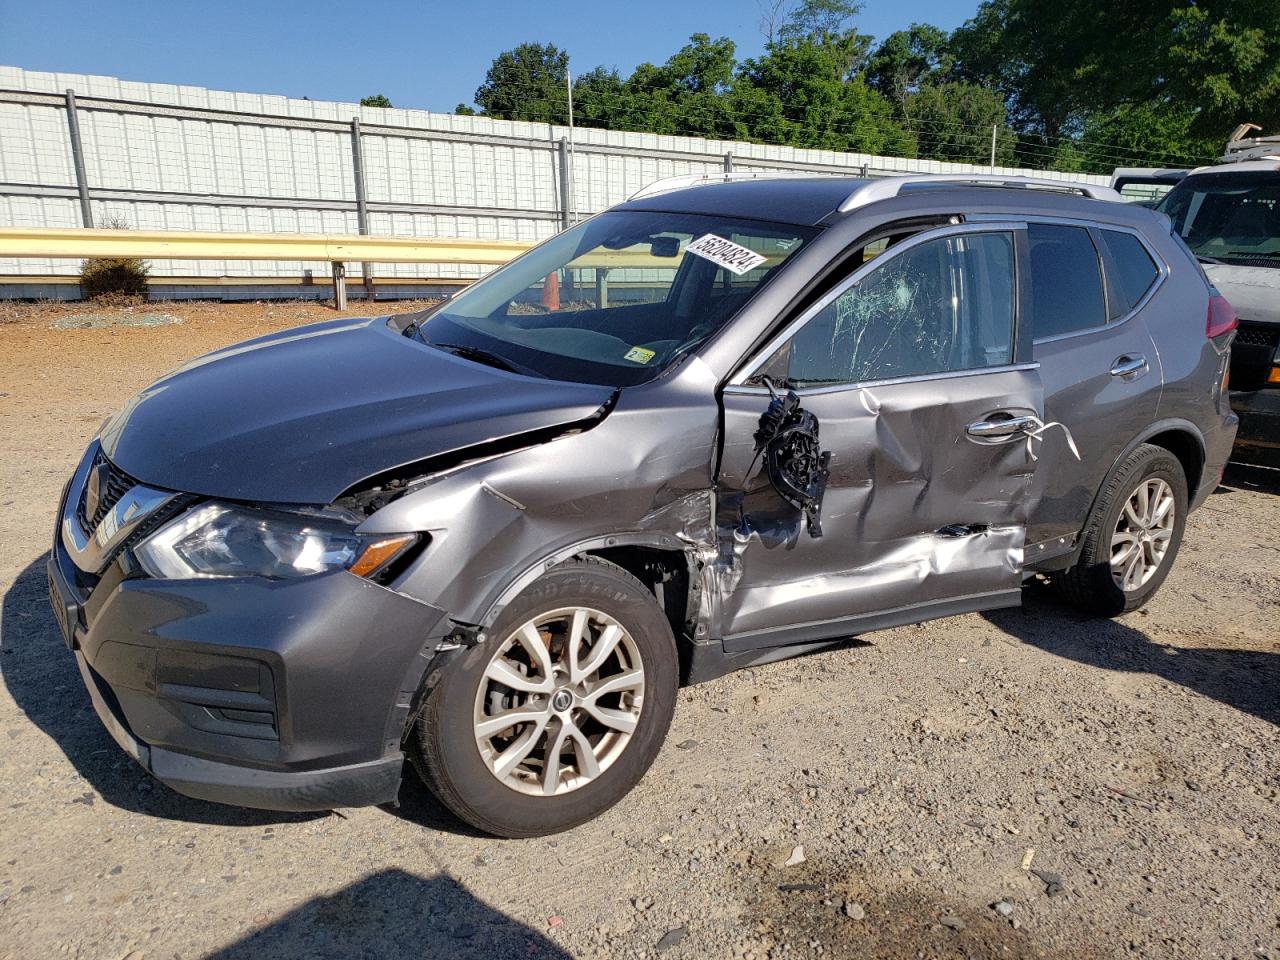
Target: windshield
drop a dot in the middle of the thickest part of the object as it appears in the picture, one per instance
(615, 299)
(1229, 217)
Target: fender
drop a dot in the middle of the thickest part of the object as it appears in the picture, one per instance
(1168, 425)
(529, 574)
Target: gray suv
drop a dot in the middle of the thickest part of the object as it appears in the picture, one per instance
(717, 425)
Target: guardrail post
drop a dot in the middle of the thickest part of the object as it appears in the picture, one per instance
(362, 207)
(339, 285)
(77, 159)
(564, 183)
(728, 161)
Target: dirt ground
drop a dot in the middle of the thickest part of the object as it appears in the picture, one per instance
(1022, 784)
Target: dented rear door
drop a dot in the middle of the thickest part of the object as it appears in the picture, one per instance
(913, 378)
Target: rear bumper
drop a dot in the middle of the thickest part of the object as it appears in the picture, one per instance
(282, 695)
(1258, 438)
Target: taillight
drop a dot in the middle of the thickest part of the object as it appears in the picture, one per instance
(1222, 318)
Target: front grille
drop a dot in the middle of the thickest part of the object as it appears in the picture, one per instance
(1258, 335)
(113, 483)
(1256, 259)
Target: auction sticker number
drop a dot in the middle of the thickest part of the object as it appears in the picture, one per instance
(732, 256)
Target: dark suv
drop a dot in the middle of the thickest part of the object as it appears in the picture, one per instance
(717, 425)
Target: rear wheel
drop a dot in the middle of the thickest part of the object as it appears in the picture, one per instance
(1132, 536)
(560, 712)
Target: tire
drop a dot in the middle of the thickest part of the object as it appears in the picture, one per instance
(1091, 584)
(539, 796)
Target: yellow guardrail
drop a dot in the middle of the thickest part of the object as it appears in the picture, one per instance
(338, 250)
(173, 245)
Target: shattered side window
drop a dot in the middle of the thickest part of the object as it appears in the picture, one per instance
(944, 305)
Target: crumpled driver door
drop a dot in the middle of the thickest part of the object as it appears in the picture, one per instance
(921, 463)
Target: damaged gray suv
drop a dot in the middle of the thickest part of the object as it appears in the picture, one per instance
(717, 425)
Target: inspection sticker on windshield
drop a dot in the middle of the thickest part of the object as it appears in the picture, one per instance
(732, 256)
(638, 355)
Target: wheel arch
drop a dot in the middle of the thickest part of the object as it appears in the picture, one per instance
(666, 566)
(1182, 438)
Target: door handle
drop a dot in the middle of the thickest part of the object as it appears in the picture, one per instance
(1007, 427)
(1130, 366)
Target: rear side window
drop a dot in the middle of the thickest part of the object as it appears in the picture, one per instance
(1134, 271)
(1066, 284)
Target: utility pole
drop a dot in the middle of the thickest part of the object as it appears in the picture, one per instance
(993, 147)
(571, 200)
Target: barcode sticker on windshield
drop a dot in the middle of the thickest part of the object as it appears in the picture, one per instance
(732, 256)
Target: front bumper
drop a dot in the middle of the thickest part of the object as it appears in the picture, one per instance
(285, 695)
(1258, 437)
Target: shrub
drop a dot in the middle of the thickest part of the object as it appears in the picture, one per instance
(105, 276)
(101, 276)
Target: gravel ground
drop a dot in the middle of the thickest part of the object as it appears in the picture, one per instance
(1023, 784)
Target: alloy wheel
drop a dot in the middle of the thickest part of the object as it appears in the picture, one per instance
(559, 701)
(1143, 534)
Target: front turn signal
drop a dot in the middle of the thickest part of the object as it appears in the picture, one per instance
(378, 553)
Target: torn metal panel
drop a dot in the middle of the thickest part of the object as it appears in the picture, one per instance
(905, 476)
(641, 476)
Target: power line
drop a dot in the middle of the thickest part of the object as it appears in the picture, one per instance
(862, 123)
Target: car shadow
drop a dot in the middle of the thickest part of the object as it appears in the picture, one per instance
(419, 806)
(394, 914)
(41, 676)
(1246, 476)
(1247, 680)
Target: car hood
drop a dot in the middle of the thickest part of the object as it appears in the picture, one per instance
(301, 416)
(1253, 292)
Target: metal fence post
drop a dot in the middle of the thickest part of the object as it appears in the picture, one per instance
(728, 161)
(564, 183)
(339, 285)
(77, 159)
(362, 207)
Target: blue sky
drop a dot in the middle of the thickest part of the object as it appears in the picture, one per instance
(425, 54)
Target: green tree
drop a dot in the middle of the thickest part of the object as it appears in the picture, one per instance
(1212, 63)
(908, 59)
(828, 24)
(599, 99)
(376, 100)
(1135, 136)
(953, 121)
(527, 83)
(815, 103)
(687, 94)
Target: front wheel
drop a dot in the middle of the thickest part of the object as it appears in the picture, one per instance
(559, 712)
(1132, 536)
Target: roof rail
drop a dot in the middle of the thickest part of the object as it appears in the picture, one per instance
(889, 187)
(667, 184)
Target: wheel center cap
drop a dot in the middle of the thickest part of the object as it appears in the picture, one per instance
(561, 700)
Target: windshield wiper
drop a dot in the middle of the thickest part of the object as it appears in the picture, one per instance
(481, 355)
(1204, 259)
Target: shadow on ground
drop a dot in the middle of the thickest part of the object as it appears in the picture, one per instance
(41, 676)
(1247, 680)
(1248, 477)
(394, 914)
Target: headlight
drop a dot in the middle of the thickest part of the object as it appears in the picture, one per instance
(218, 540)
